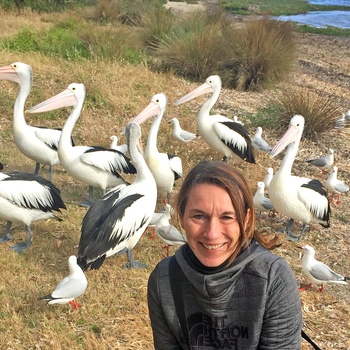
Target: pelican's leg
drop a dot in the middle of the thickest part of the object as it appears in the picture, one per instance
(37, 168)
(134, 264)
(50, 172)
(7, 236)
(291, 237)
(225, 159)
(21, 246)
(91, 198)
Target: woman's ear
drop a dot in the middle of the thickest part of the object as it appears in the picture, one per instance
(247, 218)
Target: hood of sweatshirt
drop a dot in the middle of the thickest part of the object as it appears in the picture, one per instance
(216, 285)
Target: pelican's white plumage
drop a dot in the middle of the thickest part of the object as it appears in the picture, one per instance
(261, 202)
(318, 272)
(323, 162)
(165, 167)
(97, 166)
(37, 143)
(169, 234)
(268, 177)
(220, 133)
(298, 198)
(71, 287)
(236, 120)
(26, 198)
(181, 134)
(114, 145)
(116, 221)
(334, 185)
(258, 142)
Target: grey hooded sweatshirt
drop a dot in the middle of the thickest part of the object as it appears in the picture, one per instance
(253, 304)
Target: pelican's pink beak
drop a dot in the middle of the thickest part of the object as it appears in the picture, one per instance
(64, 99)
(288, 138)
(200, 90)
(8, 73)
(150, 111)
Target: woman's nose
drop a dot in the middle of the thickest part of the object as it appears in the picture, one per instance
(212, 231)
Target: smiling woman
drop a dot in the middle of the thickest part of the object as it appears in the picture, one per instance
(227, 289)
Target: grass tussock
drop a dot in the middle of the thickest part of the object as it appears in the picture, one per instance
(319, 110)
(259, 55)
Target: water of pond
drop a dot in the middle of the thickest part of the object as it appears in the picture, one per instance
(323, 19)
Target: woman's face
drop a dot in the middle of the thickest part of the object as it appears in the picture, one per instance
(210, 224)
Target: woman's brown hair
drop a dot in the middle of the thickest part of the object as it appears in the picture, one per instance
(234, 183)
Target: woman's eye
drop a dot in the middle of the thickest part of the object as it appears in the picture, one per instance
(198, 216)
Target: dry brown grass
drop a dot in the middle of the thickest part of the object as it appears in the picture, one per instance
(114, 310)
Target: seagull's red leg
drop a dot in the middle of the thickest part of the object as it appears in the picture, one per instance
(321, 289)
(74, 304)
(305, 288)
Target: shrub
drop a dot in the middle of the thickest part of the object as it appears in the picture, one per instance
(319, 110)
(258, 55)
(193, 48)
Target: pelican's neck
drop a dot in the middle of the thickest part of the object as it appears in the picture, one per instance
(289, 157)
(208, 105)
(151, 146)
(65, 139)
(18, 111)
(142, 170)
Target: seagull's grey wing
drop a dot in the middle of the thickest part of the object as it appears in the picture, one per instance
(261, 145)
(341, 187)
(70, 287)
(318, 162)
(267, 204)
(322, 272)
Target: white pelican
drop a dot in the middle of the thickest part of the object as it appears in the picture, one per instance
(70, 288)
(26, 198)
(37, 143)
(297, 198)
(114, 145)
(323, 162)
(261, 202)
(318, 272)
(168, 233)
(181, 134)
(165, 167)
(97, 166)
(220, 133)
(334, 185)
(115, 222)
(258, 142)
(268, 177)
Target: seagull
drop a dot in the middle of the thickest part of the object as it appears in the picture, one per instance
(166, 168)
(37, 143)
(259, 143)
(268, 177)
(26, 198)
(261, 202)
(236, 120)
(293, 196)
(114, 145)
(323, 162)
(334, 185)
(340, 123)
(347, 116)
(167, 232)
(219, 132)
(97, 166)
(70, 288)
(115, 222)
(180, 134)
(318, 272)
